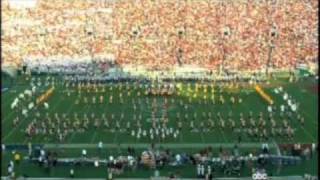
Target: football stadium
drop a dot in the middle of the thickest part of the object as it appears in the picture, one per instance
(159, 89)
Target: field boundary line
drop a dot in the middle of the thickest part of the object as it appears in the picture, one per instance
(146, 145)
(293, 177)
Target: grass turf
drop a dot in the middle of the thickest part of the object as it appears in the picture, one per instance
(61, 103)
(302, 91)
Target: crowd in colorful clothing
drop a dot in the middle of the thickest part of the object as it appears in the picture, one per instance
(239, 35)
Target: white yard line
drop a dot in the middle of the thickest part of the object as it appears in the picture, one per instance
(310, 135)
(93, 137)
(311, 119)
(14, 129)
(7, 117)
(305, 131)
(181, 136)
(223, 136)
(222, 132)
(169, 145)
(293, 177)
(11, 132)
(70, 107)
(202, 138)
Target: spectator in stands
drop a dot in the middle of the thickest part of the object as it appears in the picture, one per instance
(155, 39)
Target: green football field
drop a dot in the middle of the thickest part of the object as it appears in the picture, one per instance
(304, 92)
(64, 100)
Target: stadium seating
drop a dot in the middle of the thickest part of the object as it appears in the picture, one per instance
(236, 34)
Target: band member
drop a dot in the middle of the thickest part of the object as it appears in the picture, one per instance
(110, 99)
(101, 99)
(93, 100)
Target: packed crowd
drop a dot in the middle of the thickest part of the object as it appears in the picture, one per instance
(234, 34)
